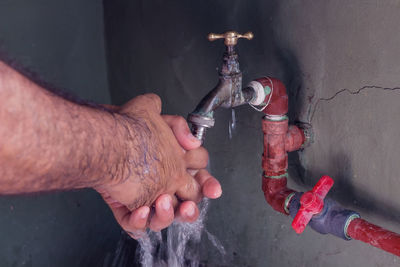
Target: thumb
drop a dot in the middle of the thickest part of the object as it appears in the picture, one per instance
(147, 102)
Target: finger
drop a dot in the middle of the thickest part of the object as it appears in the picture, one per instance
(196, 158)
(147, 102)
(164, 213)
(188, 212)
(134, 223)
(175, 202)
(211, 188)
(190, 191)
(137, 222)
(182, 132)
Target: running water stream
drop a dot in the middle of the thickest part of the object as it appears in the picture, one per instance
(181, 245)
(232, 124)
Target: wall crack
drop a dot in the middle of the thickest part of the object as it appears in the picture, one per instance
(350, 92)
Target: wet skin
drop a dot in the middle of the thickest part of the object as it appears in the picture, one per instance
(148, 167)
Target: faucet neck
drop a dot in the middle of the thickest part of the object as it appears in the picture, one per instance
(230, 62)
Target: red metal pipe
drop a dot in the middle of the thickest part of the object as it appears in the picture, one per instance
(294, 138)
(278, 101)
(279, 138)
(275, 158)
(374, 235)
(276, 192)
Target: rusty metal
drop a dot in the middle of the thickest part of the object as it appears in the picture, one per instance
(279, 139)
(374, 235)
(277, 102)
(276, 193)
(227, 93)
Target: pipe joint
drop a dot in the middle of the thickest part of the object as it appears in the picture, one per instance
(276, 192)
(333, 219)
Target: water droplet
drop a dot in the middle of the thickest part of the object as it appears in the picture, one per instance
(232, 124)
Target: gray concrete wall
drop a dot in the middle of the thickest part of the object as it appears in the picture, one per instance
(317, 48)
(61, 41)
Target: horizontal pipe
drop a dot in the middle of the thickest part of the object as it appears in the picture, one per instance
(374, 235)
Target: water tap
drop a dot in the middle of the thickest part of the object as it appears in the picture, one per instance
(228, 92)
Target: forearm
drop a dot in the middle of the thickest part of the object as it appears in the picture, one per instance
(47, 142)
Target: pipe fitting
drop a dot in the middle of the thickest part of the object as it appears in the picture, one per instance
(346, 227)
(200, 124)
(333, 219)
(276, 192)
(276, 103)
(308, 134)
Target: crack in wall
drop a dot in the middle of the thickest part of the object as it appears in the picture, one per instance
(349, 92)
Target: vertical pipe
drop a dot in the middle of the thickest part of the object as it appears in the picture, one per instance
(275, 158)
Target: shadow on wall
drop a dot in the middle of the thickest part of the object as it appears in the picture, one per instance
(344, 190)
(349, 195)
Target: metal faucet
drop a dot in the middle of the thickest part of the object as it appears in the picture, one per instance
(228, 92)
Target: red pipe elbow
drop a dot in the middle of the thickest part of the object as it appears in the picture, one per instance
(276, 193)
(277, 100)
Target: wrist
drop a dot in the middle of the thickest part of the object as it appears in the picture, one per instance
(125, 136)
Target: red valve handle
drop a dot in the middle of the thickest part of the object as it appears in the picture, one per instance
(311, 203)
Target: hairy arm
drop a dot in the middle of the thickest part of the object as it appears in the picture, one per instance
(132, 155)
(47, 142)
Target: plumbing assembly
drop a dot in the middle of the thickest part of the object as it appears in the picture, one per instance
(268, 95)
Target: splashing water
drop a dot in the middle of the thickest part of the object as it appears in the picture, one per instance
(181, 246)
(232, 123)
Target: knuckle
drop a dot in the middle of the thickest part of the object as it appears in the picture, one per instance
(154, 99)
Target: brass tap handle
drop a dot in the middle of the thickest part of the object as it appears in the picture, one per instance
(230, 37)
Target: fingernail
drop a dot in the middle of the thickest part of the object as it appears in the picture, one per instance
(144, 213)
(190, 211)
(218, 193)
(166, 203)
(215, 187)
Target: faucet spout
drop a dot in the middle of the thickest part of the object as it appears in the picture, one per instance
(227, 94)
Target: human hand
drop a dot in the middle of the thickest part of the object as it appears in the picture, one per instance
(189, 186)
